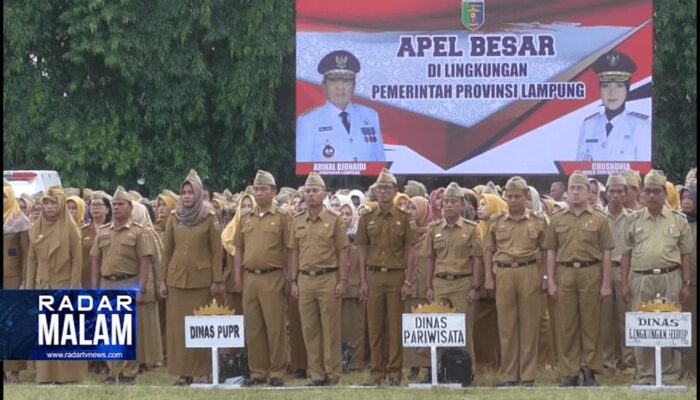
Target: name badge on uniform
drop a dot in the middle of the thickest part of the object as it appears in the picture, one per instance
(438, 235)
(325, 128)
(591, 140)
(398, 223)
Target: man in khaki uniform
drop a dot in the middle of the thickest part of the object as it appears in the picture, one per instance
(386, 240)
(318, 239)
(454, 267)
(578, 241)
(657, 249)
(613, 308)
(261, 249)
(633, 181)
(513, 249)
(121, 256)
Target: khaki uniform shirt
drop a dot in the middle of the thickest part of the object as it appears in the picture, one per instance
(618, 226)
(14, 256)
(582, 238)
(515, 240)
(263, 238)
(386, 236)
(191, 256)
(453, 246)
(319, 239)
(87, 240)
(657, 242)
(121, 249)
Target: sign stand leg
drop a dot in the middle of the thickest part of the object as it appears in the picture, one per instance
(433, 363)
(657, 366)
(215, 366)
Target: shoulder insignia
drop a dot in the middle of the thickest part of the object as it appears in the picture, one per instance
(435, 223)
(590, 116)
(599, 209)
(85, 226)
(299, 213)
(333, 212)
(537, 215)
(470, 222)
(561, 210)
(679, 213)
(305, 113)
(639, 115)
(137, 224)
(496, 216)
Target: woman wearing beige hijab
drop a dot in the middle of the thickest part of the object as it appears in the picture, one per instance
(192, 275)
(15, 244)
(55, 261)
(418, 358)
(150, 345)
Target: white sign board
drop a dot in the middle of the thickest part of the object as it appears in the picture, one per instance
(438, 330)
(663, 329)
(214, 331)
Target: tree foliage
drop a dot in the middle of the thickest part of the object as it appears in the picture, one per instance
(675, 87)
(107, 92)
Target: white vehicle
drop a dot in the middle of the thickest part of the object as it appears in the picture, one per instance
(31, 181)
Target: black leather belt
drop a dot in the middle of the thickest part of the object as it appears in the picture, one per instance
(382, 269)
(118, 277)
(658, 271)
(261, 271)
(318, 272)
(579, 264)
(515, 264)
(615, 263)
(452, 277)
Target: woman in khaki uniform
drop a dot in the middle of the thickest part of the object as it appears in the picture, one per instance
(486, 342)
(192, 275)
(54, 261)
(418, 358)
(165, 204)
(354, 311)
(76, 209)
(150, 345)
(15, 243)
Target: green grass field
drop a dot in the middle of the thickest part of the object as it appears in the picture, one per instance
(157, 385)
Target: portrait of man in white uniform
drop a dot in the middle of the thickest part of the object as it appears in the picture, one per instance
(339, 130)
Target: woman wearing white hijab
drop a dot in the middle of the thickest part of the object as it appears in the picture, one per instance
(150, 344)
(354, 312)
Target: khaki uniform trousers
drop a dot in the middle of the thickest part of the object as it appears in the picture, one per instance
(456, 292)
(518, 298)
(297, 350)
(126, 368)
(263, 310)
(578, 312)
(415, 357)
(320, 313)
(547, 350)
(384, 309)
(612, 328)
(642, 289)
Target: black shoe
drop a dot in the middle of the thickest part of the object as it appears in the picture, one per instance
(300, 374)
(183, 381)
(527, 383)
(317, 382)
(252, 382)
(507, 384)
(413, 374)
(127, 381)
(428, 378)
(332, 382)
(110, 380)
(276, 382)
(589, 377)
(394, 382)
(570, 381)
